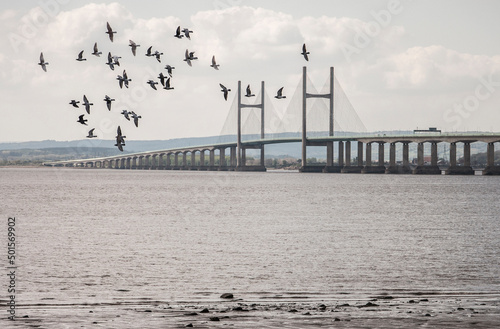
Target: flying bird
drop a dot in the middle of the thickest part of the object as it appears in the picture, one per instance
(125, 114)
(74, 103)
(91, 133)
(108, 101)
(224, 90)
(136, 118)
(82, 120)
(249, 92)
(162, 78)
(158, 54)
(148, 52)
(96, 51)
(80, 57)
(169, 69)
(120, 139)
(115, 60)
(134, 46)
(279, 94)
(43, 63)
(125, 78)
(178, 33)
(152, 84)
(305, 52)
(189, 56)
(167, 84)
(186, 33)
(110, 31)
(214, 64)
(110, 61)
(86, 104)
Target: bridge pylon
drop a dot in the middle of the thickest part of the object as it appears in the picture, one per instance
(329, 145)
(240, 147)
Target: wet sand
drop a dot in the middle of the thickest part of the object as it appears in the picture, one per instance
(451, 311)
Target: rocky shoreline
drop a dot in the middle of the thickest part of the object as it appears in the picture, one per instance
(472, 311)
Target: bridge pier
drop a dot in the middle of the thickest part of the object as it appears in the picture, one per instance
(348, 169)
(369, 168)
(466, 169)
(423, 169)
(491, 169)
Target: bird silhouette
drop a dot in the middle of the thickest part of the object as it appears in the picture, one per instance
(108, 101)
(96, 51)
(162, 78)
(214, 64)
(152, 84)
(110, 61)
(110, 31)
(82, 120)
(134, 46)
(126, 79)
(116, 60)
(136, 118)
(80, 57)
(74, 103)
(169, 69)
(249, 92)
(279, 94)
(189, 56)
(148, 52)
(125, 114)
(224, 90)
(157, 54)
(43, 63)
(86, 104)
(186, 33)
(167, 84)
(120, 139)
(305, 52)
(91, 133)
(178, 33)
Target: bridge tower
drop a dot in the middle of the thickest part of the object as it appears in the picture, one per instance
(240, 147)
(305, 142)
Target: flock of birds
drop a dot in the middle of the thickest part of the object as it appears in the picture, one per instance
(164, 80)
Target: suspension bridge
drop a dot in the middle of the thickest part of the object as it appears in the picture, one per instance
(313, 118)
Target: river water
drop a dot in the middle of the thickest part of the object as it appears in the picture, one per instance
(104, 236)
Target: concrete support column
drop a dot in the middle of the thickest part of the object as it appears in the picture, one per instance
(348, 153)
(381, 156)
(466, 154)
(420, 154)
(453, 154)
(167, 161)
(490, 154)
(161, 164)
(154, 164)
(360, 154)
(193, 159)
(329, 154)
(243, 157)
(368, 154)
(202, 158)
(212, 159)
(406, 154)
(222, 158)
(341, 153)
(176, 160)
(392, 155)
(434, 155)
(184, 160)
(141, 163)
(232, 156)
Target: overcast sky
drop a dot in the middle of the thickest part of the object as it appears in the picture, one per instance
(403, 64)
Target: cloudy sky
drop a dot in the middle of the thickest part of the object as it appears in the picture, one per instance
(403, 64)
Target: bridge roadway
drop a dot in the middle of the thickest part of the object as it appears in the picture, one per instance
(177, 158)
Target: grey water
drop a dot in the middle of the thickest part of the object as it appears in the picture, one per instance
(106, 236)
